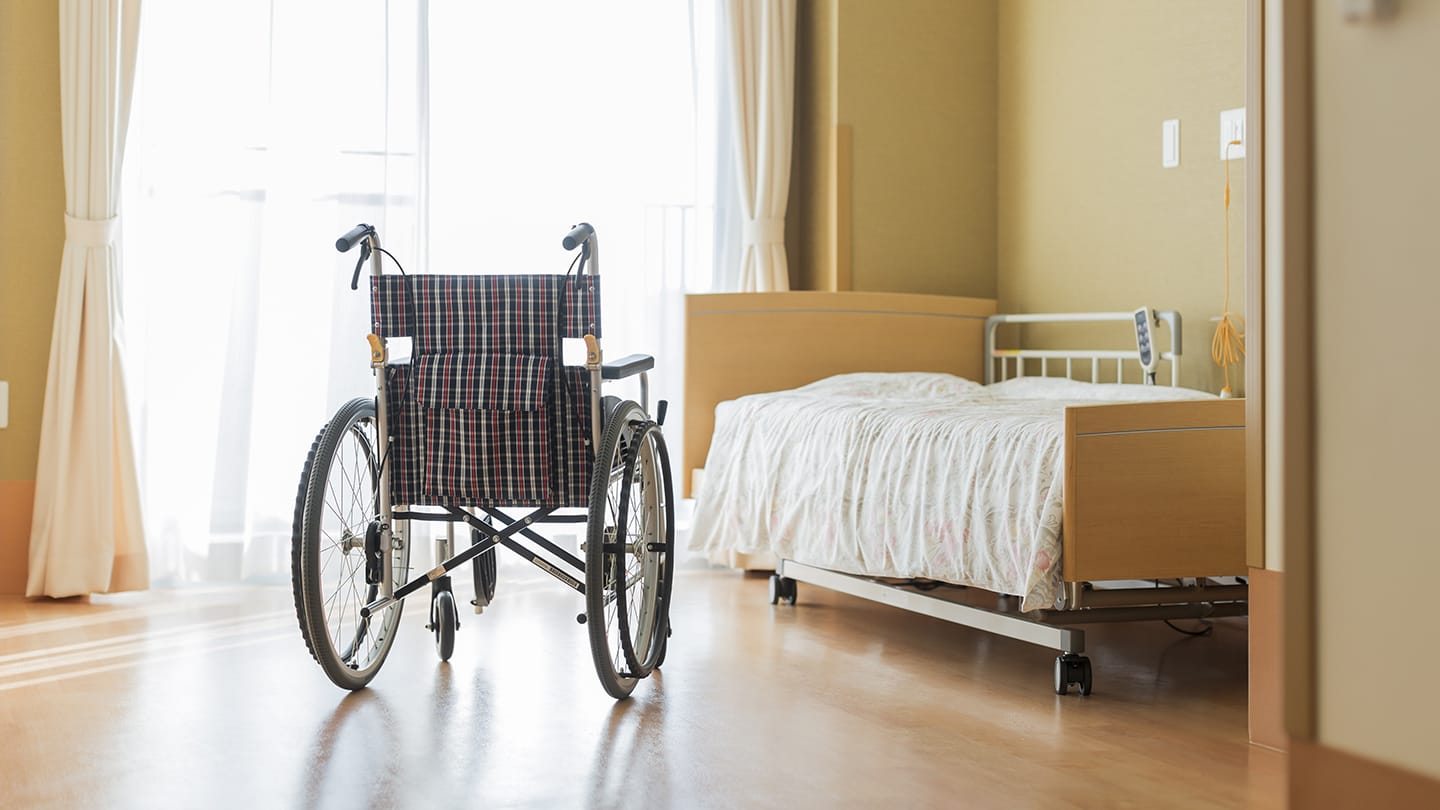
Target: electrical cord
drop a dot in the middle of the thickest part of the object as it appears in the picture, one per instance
(1209, 628)
(1228, 346)
(925, 584)
(1180, 583)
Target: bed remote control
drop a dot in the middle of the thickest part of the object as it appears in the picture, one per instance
(1144, 340)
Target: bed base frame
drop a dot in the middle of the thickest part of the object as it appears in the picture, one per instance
(828, 333)
(1045, 628)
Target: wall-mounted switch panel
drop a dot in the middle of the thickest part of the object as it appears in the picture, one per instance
(1170, 143)
(1232, 128)
(4, 404)
(1360, 11)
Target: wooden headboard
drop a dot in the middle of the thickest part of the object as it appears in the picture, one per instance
(748, 343)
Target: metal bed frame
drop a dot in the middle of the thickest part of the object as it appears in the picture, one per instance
(1083, 603)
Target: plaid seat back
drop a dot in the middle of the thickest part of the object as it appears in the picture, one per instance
(487, 414)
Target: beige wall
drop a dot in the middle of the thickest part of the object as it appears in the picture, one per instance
(915, 82)
(32, 204)
(1088, 219)
(1376, 283)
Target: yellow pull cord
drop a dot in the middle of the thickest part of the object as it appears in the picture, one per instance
(1228, 347)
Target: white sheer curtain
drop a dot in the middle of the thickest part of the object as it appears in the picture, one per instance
(544, 114)
(262, 131)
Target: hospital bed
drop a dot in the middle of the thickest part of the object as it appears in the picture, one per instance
(1148, 511)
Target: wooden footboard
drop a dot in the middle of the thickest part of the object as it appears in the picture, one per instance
(1154, 490)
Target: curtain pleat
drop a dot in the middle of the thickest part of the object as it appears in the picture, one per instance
(757, 57)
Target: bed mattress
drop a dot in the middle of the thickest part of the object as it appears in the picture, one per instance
(902, 475)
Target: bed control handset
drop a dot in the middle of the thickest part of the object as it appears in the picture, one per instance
(1145, 323)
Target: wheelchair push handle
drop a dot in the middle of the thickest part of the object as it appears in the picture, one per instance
(364, 236)
(578, 235)
(353, 236)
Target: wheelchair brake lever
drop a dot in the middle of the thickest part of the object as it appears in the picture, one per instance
(364, 254)
(660, 408)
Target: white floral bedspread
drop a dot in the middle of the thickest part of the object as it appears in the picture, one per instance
(902, 475)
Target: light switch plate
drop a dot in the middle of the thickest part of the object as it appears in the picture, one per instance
(1360, 11)
(1170, 143)
(1232, 128)
(4, 404)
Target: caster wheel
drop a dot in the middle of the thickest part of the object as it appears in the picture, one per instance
(445, 620)
(782, 588)
(484, 572)
(1072, 670)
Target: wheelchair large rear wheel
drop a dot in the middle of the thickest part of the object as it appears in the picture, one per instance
(627, 551)
(335, 557)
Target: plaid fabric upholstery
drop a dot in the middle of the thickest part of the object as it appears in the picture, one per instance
(487, 415)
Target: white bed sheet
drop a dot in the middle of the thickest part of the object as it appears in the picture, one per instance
(902, 475)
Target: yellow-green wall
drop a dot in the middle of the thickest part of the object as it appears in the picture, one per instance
(914, 80)
(1088, 218)
(809, 232)
(32, 205)
(916, 84)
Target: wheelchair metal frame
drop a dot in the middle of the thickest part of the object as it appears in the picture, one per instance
(493, 523)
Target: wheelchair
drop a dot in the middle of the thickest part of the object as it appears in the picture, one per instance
(480, 420)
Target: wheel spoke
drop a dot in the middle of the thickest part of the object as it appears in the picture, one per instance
(343, 469)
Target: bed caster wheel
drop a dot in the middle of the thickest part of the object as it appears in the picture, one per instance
(1072, 669)
(782, 588)
(444, 621)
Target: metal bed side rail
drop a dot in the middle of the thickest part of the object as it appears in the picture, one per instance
(1170, 318)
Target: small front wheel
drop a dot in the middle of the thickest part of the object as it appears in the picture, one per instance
(484, 570)
(444, 621)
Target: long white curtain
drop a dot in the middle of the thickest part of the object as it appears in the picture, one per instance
(263, 130)
(87, 535)
(472, 134)
(757, 79)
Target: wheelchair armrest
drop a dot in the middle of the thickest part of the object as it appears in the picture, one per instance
(627, 366)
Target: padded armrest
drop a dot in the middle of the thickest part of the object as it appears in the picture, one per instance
(627, 366)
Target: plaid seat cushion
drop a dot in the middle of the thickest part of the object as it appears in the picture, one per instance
(487, 415)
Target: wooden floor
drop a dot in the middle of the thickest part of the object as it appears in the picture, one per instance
(209, 699)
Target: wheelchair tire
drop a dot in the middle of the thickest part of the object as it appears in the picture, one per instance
(630, 531)
(335, 508)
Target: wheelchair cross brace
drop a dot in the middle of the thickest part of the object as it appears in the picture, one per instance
(494, 537)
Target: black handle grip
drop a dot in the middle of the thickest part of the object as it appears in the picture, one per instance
(353, 237)
(577, 236)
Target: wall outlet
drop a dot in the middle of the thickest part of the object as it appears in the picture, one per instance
(1232, 128)
(4, 404)
(1170, 143)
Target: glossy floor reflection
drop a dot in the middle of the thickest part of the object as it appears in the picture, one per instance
(209, 699)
